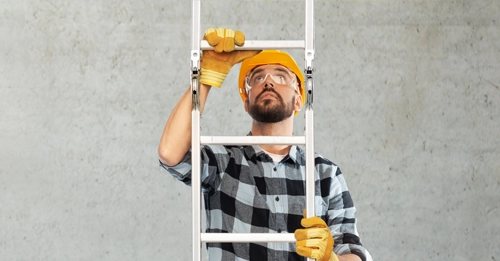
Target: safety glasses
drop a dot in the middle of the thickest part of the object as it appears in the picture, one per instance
(280, 76)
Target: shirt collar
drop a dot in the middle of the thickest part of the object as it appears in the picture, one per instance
(296, 153)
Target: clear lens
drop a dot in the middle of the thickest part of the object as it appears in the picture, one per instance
(260, 77)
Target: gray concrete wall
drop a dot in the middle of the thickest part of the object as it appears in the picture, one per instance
(407, 103)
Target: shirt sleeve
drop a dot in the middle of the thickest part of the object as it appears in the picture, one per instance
(181, 171)
(212, 158)
(341, 212)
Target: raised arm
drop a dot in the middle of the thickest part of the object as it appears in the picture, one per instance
(176, 138)
(215, 65)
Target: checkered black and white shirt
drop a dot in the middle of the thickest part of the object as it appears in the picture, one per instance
(246, 192)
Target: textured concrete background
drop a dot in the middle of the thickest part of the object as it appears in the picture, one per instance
(407, 103)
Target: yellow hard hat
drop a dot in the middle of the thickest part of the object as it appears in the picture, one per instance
(270, 57)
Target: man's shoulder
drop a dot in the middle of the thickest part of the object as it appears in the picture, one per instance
(318, 158)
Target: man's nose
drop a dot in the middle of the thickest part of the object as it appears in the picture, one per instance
(269, 85)
(268, 81)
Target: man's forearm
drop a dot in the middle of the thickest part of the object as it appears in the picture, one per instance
(349, 257)
(176, 138)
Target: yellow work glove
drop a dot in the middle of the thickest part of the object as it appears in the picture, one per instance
(215, 65)
(315, 241)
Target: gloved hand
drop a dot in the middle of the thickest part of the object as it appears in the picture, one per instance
(315, 241)
(216, 64)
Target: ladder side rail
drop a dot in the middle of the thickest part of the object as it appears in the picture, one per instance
(195, 132)
(195, 35)
(309, 114)
(196, 184)
(310, 166)
(309, 34)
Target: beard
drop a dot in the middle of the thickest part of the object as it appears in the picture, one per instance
(270, 111)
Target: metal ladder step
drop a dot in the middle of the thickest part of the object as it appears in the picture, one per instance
(263, 45)
(247, 237)
(253, 140)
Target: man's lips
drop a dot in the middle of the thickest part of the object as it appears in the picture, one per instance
(268, 95)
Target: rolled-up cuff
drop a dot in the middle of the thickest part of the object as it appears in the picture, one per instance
(212, 78)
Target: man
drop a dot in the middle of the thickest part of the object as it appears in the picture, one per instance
(261, 189)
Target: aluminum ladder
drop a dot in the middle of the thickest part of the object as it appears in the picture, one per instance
(197, 140)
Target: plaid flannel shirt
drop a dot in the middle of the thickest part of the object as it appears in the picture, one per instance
(246, 192)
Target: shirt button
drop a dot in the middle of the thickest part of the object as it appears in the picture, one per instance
(275, 169)
(277, 198)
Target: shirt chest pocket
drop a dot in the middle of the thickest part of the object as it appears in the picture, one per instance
(247, 196)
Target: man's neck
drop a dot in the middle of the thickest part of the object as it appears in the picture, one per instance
(282, 128)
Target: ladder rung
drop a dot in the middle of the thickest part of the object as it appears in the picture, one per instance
(247, 237)
(263, 45)
(252, 140)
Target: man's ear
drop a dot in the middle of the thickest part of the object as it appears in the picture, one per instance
(298, 102)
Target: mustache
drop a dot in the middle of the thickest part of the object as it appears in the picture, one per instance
(269, 90)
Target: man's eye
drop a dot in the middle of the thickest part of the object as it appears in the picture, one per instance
(259, 78)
